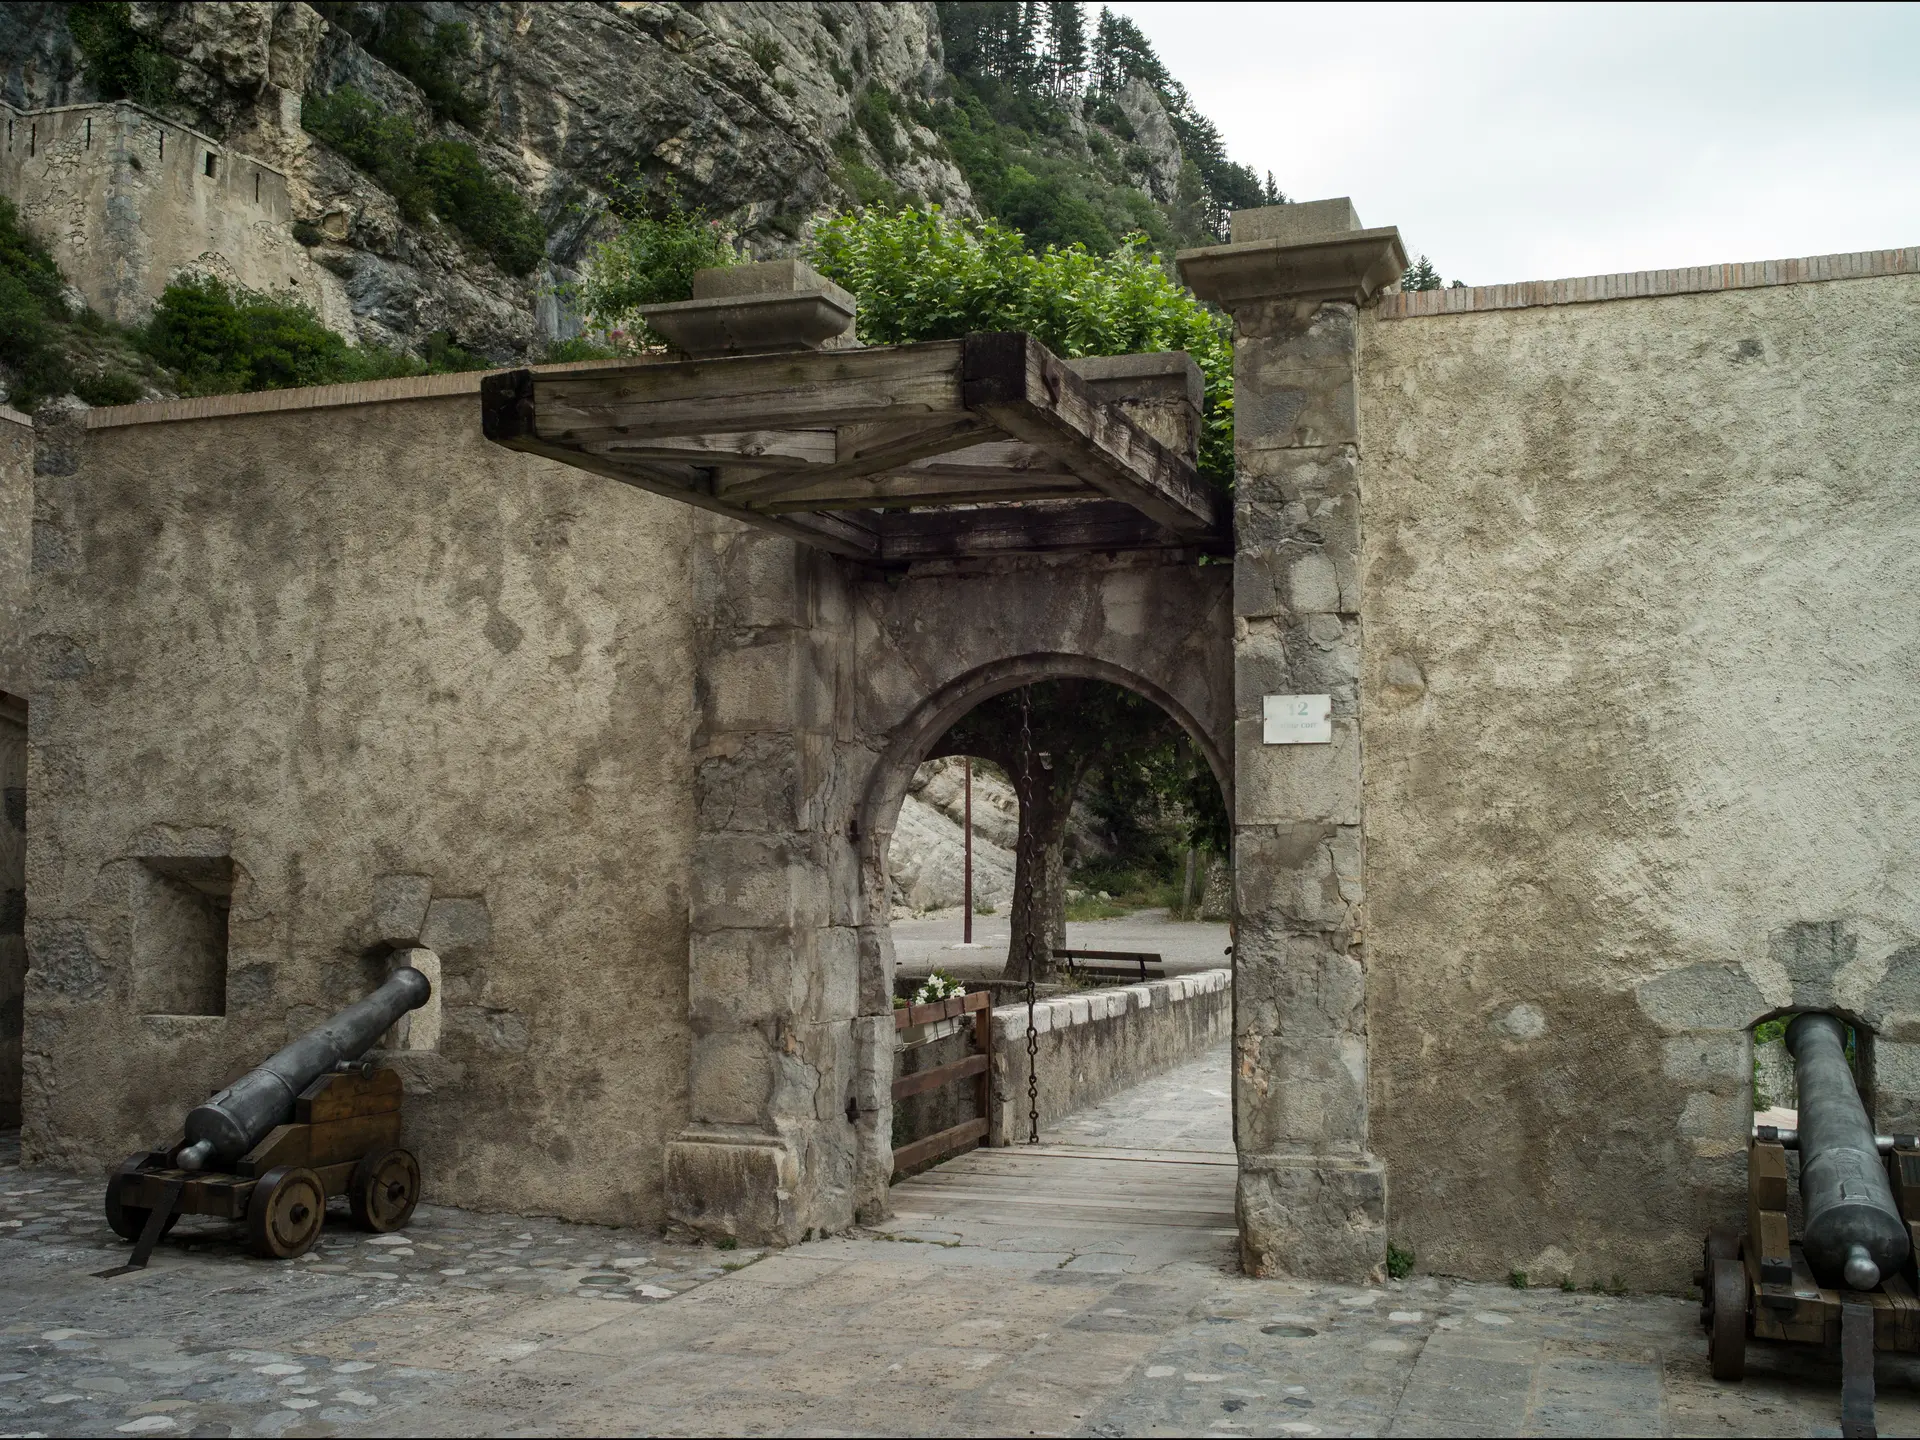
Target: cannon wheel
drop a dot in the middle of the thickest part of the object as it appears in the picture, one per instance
(384, 1189)
(284, 1217)
(127, 1221)
(1727, 1334)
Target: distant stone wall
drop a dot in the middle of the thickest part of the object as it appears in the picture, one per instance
(126, 200)
(1642, 683)
(1100, 1042)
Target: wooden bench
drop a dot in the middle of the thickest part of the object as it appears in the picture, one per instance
(1142, 959)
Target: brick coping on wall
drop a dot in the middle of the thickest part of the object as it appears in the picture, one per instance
(1643, 284)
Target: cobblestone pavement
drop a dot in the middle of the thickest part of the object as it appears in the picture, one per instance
(958, 1317)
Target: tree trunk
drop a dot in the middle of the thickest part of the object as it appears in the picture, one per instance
(1040, 871)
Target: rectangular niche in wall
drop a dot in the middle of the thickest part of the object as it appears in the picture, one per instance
(180, 934)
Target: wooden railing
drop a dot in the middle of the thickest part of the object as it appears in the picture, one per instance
(977, 1068)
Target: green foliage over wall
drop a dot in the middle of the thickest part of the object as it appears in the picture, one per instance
(921, 275)
(121, 62)
(429, 55)
(443, 178)
(218, 339)
(650, 262)
(37, 332)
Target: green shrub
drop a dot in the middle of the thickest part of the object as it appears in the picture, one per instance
(219, 339)
(1399, 1262)
(444, 178)
(873, 113)
(765, 51)
(650, 262)
(120, 61)
(380, 142)
(487, 210)
(31, 312)
(430, 56)
(109, 387)
(921, 275)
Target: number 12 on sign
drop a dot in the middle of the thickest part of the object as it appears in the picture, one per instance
(1298, 720)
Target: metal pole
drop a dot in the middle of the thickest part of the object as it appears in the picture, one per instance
(966, 932)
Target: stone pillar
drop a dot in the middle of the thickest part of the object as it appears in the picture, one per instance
(1312, 1197)
(776, 1107)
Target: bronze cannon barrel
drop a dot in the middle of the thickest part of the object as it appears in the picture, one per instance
(1854, 1233)
(232, 1122)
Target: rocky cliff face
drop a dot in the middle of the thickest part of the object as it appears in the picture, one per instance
(760, 113)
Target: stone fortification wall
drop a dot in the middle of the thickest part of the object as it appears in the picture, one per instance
(1642, 679)
(324, 673)
(1098, 1043)
(126, 200)
(16, 510)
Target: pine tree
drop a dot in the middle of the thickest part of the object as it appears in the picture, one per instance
(1421, 276)
(1066, 45)
(1273, 194)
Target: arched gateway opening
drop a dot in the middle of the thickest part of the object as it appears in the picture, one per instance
(1119, 1110)
(924, 526)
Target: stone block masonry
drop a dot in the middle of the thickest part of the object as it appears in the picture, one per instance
(1312, 1195)
(126, 200)
(1099, 1042)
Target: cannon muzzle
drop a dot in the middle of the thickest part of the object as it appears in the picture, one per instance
(232, 1122)
(1854, 1233)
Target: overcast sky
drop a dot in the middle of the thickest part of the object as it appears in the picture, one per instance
(1535, 142)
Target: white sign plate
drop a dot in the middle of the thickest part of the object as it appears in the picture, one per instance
(1298, 720)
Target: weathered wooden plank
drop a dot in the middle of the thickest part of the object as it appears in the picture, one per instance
(342, 1096)
(749, 449)
(909, 492)
(1022, 529)
(900, 445)
(507, 407)
(939, 1075)
(942, 1143)
(1032, 395)
(767, 392)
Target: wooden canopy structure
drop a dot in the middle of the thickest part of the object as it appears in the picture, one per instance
(991, 445)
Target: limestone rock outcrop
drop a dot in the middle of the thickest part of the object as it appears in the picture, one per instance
(752, 110)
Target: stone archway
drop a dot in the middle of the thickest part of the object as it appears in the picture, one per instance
(821, 685)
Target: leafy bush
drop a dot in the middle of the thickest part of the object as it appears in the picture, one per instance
(444, 178)
(650, 262)
(109, 387)
(873, 113)
(219, 339)
(488, 211)
(921, 275)
(30, 313)
(120, 61)
(428, 56)
(765, 51)
(1399, 1262)
(580, 347)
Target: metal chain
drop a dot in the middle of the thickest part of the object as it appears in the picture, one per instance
(1026, 839)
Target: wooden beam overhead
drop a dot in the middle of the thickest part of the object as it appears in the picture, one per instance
(1028, 392)
(1021, 530)
(875, 454)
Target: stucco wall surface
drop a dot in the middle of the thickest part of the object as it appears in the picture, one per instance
(1642, 603)
(417, 688)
